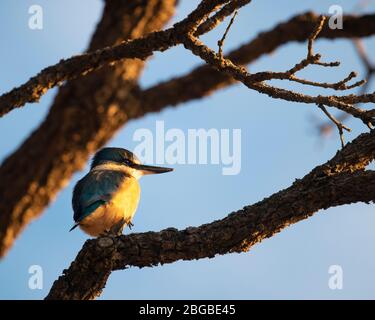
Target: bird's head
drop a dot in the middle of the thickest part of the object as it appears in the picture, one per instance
(124, 160)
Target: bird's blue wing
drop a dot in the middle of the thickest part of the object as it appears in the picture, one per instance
(85, 212)
(94, 190)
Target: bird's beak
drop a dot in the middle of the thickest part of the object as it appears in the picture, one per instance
(151, 169)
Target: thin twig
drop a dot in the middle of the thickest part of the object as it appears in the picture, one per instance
(310, 45)
(338, 124)
(220, 43)
(370, 71)
(312, 59)
(314, 35)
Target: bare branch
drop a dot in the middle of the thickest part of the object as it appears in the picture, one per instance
(254, 81)
(370, 71)
(328, 185)
(338, 124)
(204, 80)
(80, 65)
(310, 60)
(238, 232)
(220, 43)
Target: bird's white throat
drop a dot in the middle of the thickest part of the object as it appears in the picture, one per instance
(118, 167)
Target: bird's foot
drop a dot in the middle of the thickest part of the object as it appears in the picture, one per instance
(118, 227)
(130, 225)
(116, 230)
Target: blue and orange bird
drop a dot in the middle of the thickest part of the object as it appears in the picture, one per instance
(106, 199)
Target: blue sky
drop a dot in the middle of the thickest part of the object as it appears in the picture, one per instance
(279, 144)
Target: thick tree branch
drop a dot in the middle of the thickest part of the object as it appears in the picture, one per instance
(62, 145)
(337, 182)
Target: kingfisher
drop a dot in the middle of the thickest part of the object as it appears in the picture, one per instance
(106, 199)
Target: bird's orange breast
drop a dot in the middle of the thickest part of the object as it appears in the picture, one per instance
(123, 205)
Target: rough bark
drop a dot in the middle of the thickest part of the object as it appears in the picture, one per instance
(342, 180)
(84, 115)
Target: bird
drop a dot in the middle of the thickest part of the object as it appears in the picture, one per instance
(106, 198)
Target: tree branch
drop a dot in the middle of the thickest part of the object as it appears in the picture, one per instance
(204, 80)
(140, 48)
(339, 181)
(61, 145)
(255, 81)
(324, 128)
(218, 17)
